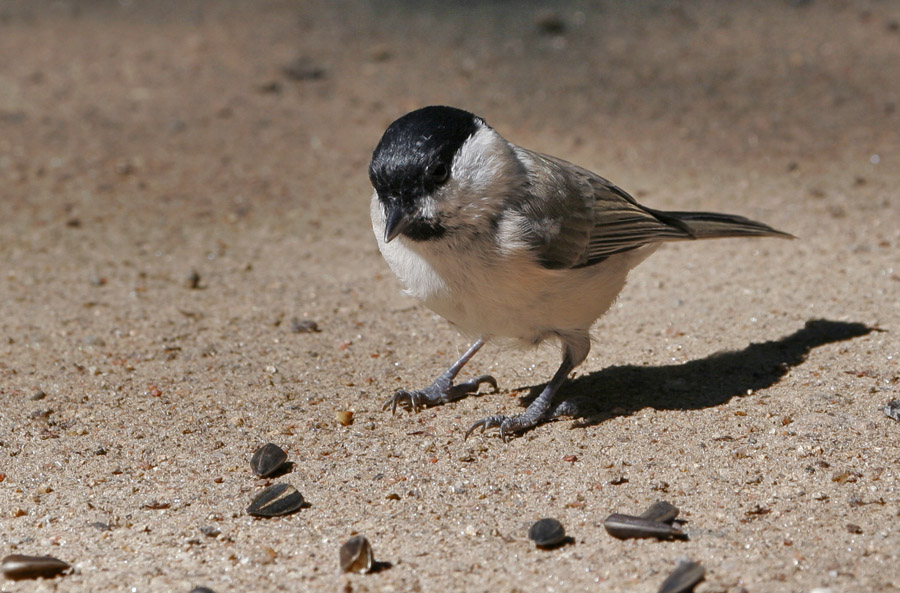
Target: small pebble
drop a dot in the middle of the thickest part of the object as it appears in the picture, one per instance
(304, 326)
(302, 68)
(276, 500)
(202, 590)
(661, 511)
(628, 526)
(38, 396)
(267, 460)
(549, 22)
(210, 530)
(273, 86)
(356, 555)
(18, 566)
(892, 409)
(380, 53)
(344, 417)
(547, 533)
(193, 280)
(683, 579)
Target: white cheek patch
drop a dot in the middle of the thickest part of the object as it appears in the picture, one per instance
(485, 172)
(481, 161)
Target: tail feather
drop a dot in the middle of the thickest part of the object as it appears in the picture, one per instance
(712, 225)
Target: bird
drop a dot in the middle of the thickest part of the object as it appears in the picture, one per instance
(511, 246)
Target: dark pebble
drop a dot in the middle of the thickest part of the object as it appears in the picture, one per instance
(18, 567)
(547, 533)
(38, 396)
(660, 511)
(550, 23)
(304, 326)
(273, 87)
(210, 530)
(278, 499)
(303, 68)
(202, 590)
(267, 459)
(356, 555)
(892, 409)
(683, 579)
(628, 526)
(193, 279)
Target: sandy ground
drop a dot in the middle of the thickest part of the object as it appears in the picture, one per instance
(740, 380)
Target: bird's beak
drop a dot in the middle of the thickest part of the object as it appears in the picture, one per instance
(395, 221)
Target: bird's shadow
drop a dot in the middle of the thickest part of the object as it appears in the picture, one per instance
(703, 383)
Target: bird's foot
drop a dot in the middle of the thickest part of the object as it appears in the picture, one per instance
(508, 425)
(440, 392)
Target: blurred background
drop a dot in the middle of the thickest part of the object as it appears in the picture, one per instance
(270, 109)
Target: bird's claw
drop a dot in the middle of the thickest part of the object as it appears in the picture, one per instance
(442, 391)
(508, 425)
(489, 422)
(410, 400)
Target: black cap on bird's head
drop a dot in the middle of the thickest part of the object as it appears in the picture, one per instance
(412, 160)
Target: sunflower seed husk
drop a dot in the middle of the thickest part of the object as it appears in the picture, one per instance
(683, 579)
(19, 566)
(628, 526)
(547, 533)
(267, 459)
(892, 409)
(660, 511)
(356, 555)
(278, 499)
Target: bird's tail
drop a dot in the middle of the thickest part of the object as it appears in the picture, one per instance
(712, 225)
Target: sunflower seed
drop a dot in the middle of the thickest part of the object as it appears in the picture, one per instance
(356, 555)
(278, 499)
(683, 579)
(267, 459)
(661, 511)
(18, 566)
(628, 526)
(547, 533)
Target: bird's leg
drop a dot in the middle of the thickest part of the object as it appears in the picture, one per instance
(575, 350)
(443, 390)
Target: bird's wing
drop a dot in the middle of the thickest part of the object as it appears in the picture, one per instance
(581, 218)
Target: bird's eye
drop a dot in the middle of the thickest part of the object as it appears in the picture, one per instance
(439, 173)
